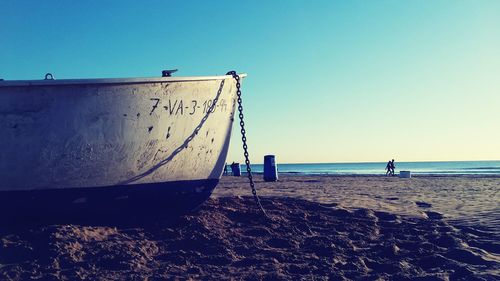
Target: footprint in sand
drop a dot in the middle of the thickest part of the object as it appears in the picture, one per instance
(422, 204)
(466, 256)
(329, 205)
(434, 215)
(384, 216)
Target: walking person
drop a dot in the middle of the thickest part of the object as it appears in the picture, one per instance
(388, 168)
(392, 167)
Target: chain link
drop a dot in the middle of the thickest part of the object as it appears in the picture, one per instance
(244, 140)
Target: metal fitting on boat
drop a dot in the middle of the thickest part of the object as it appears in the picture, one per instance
(49, 76)
(168, 72)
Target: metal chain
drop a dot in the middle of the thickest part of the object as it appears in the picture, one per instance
(244, 140)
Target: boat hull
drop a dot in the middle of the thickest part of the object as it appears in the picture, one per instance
(111, 144)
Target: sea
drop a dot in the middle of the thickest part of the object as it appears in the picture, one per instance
(378, 168)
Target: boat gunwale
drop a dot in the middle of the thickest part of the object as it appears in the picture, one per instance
(93, 81)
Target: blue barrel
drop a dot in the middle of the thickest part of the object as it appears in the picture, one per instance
(270, 168)
(236, 169)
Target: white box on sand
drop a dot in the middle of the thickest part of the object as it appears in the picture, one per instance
(405, 174)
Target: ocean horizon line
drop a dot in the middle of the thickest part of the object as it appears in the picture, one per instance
(378, 162)
(487, 167)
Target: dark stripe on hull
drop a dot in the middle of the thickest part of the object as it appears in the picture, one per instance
(168, 198)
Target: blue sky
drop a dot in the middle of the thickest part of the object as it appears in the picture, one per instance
(329, 81)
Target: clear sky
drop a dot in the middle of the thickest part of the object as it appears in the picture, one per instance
(329, 81)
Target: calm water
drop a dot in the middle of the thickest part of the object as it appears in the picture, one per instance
(423, 168)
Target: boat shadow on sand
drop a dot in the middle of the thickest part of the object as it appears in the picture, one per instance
(229, 237)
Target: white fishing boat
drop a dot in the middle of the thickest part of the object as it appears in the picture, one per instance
(113, 144)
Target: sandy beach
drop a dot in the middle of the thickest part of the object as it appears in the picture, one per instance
(319, 228)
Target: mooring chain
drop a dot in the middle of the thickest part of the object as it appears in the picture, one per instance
(244, 140)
